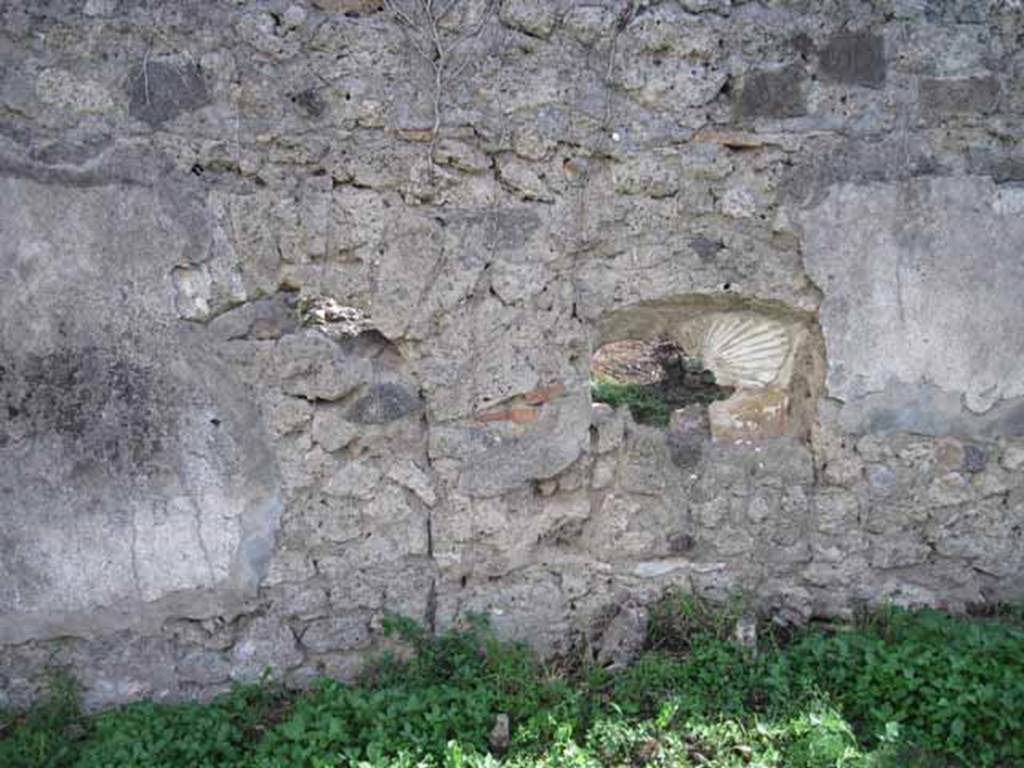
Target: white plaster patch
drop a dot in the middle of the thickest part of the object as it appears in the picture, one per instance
(922, 286)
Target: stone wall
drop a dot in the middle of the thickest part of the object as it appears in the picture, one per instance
(297, 308)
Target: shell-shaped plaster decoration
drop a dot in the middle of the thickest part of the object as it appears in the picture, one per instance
(744, 350)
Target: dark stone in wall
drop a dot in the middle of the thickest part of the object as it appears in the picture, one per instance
(946, 96)
(160, 91)
(855, 59)
(769, 93)
(705, 248)
(1000, 165)
(681, 543)
(310, 101)
(384, 403)
(803, 44)
(975, 458)
(688, 436)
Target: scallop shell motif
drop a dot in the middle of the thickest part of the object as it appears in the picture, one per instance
(744, 351)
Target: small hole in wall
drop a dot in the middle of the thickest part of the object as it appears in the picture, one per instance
(652, 378)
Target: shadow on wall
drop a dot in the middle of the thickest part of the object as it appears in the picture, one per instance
(734, 368)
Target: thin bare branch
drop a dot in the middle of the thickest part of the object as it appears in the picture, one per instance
(421, 26)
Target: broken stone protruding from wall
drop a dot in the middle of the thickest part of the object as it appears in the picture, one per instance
(624, 637)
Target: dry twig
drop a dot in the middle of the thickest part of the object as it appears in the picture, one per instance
(422, 23)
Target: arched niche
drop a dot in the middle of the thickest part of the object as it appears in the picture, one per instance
(765, 358)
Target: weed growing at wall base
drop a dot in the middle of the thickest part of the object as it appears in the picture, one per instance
(896, 689)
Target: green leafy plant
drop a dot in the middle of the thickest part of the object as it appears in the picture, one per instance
(47, 734)
(891, 689)
(679, 617)
(643, 402)
(215, 734)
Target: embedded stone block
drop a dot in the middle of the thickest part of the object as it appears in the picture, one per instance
(772, 93)
(942, 96)
(854, 59)
(384, 403)
(160, 91)
(688, 432)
